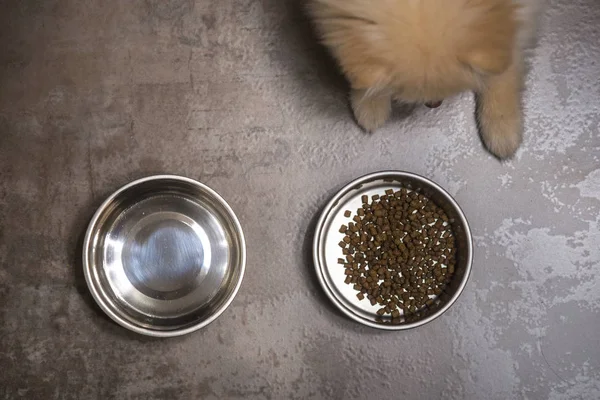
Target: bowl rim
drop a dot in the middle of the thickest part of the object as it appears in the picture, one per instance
(97, 290)
(318, 261)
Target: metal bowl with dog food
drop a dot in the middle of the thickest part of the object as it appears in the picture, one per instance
(393, 250)
(164, 256)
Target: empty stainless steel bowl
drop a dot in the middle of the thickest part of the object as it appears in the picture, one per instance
(326, 250)
(164, 255)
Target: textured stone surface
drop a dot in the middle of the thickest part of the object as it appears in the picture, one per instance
(237, 94)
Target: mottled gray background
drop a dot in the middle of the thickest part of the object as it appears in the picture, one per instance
(237, 94)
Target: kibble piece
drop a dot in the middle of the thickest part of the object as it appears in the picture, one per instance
(347, 213)
(360, 296)
(364, 198)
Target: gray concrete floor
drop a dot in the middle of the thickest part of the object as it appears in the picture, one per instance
(237, 94)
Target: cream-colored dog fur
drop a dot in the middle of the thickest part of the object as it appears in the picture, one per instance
(420, 51)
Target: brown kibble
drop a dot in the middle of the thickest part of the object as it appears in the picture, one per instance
(399, 251)
(360, 296)
(347, 213)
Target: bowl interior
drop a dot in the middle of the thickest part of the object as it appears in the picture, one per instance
(327, 250)
(164, 254)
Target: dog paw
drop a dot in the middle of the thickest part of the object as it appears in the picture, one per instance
(499, 112)
(501, 132)
(370, 112)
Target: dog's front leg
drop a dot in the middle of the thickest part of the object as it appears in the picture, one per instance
(370, 110)
(499, 111)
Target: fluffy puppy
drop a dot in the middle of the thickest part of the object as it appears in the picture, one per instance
(422, 51)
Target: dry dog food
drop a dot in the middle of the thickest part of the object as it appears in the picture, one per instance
(398, 251)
